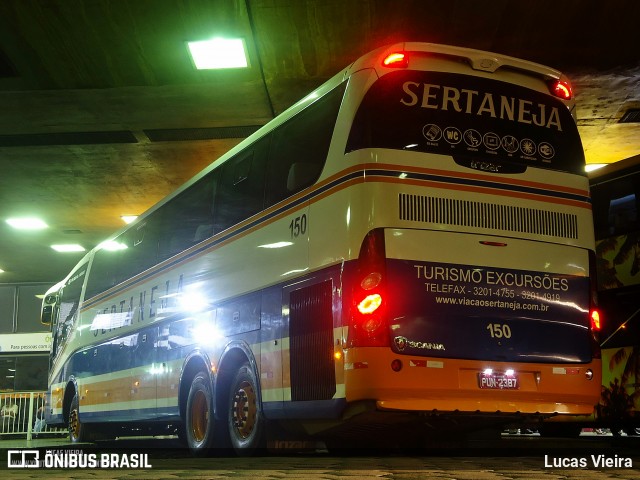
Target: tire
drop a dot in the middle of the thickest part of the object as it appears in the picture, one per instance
(78, 431)
(245, 419)
(199, 420)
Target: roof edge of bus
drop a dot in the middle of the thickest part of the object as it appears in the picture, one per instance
(272, 124)
(55, 288)
(471, 54)
(602, 174)
(278, 120)
(367, 60)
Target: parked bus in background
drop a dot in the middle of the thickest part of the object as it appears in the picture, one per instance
(615, 191)
(410, 246)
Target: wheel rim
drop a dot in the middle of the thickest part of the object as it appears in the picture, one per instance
(74, 424)
(244, 409)
(199, 416)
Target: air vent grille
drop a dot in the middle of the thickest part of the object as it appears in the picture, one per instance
(467, 213)
(312, 367)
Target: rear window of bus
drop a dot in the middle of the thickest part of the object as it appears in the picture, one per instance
(468, 117)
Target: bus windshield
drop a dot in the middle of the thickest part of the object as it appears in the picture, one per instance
(473, 119)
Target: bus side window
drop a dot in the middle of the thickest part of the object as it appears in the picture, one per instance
(300, 146)
(240, 190)
(106, 268)
(186, 219)
(615, 206)
(142, 246)
(623, 214)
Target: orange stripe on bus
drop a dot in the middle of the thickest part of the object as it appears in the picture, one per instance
(487, 191)
(481, 177)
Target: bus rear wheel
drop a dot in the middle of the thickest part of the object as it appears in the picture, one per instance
(244, 413)
(78, 431)
(199, 418)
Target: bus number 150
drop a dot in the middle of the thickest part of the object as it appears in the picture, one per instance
(499, 330)
(298, 226)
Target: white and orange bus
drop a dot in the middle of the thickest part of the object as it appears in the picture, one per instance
(409, 246)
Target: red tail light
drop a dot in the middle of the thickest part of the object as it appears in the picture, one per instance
(370, 304)
(396, 60)
(368, 325)
(561, 89)
(595, 320)
(594, 314)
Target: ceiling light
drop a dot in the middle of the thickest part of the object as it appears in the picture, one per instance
(69, 247)
(594, 166)
(27, 223)
(218, 53)
(128, 218)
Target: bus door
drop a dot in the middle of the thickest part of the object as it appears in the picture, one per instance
(65, 320)
(144, 374)
(175, 340)
(104, 379)
(272, 321)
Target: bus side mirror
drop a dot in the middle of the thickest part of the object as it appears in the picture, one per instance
(47, 314)
(50, 302)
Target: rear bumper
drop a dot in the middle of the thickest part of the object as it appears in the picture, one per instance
(428, 384)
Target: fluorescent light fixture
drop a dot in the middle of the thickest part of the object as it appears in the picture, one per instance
(128, 218)
(68, 247)
(594, 166)
(27, 223)
(218, 53)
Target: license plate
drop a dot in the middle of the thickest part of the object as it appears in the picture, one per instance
(497, 381)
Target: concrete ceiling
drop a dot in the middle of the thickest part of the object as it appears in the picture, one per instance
(103, 114)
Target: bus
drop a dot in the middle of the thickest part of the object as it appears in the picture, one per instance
(408, 247)
(615, 193)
